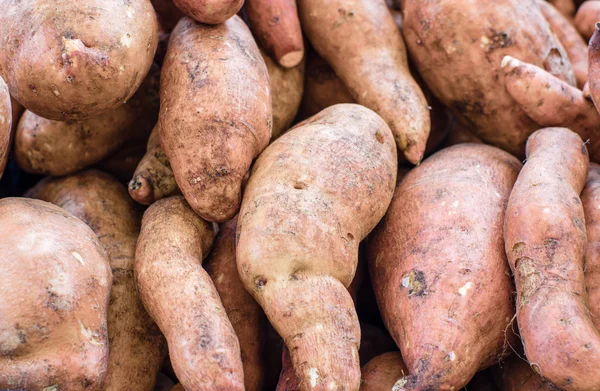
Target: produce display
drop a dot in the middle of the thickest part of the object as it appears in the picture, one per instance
(299, 195)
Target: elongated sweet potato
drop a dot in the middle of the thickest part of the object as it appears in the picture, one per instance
(66, 59)
(313, 195)
(515, 374)
(460, 60)
(362, 43)
(216, 119)
(545, 240)
(56, 284)
(591, 206)
(383, 372)
(587, 16)
(137, 347)
(276, 26)
(246, 316)
(433, 258)
(570, 38)
(550, 101)
(209, 11)
(180, 296)
(6, 125)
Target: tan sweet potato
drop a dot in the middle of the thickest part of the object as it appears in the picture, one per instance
(66, 59)
(460, 60)
(180, 296)
(545, 240)
(56, 284)
(587, 16)
(515, 374)
(137, 348)
(383, 372)
(550, 101)
(209, 11)
(56, 148)
(591, 206)
(433, 259)
(6, 125)
(215, 114)
(313, 195)
(362, 43)
(246, 316)
(569, 37)
(276, 26)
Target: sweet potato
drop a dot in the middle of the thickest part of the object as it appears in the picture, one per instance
(137, 347)
(276, 26)
(587, 16)
(216, 119)
(565, 7)
(434, 259)
(569, 37)
(550, 101)
(383, 372)
(460, 60)
(55, 290)
(313, 195)
(545, 239)
(594, 67)
(362, 43)
(591, 206)
(209, 11)
(515, 374)
(6, 125)
(246, 316)
(66, 59)
(288, 381)
(56, 148)
(181, 298)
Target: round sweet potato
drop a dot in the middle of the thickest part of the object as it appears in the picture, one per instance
(65, 59)
(6, 125)
(587, 16)
(55, 291)
(209, 11)
(383, 372)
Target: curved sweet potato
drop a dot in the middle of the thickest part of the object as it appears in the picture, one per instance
(181, 298)
(545, 241)
(590, 197)
(55, 290)
(246, 316)
(570, 38)
(209, 11)
(137, 347)
(362, 43)
(457, 47)
(515, 374)
(276, 26)
(587, 16)
(550, 101)
(433, 257)
(383, 372)
(217, 118)
(6, 125)
(313, 195)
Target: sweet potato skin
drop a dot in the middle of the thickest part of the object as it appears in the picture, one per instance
(545, 241)
(6, 125)
(590, 197)
(587, 16)
(181, 298)
(438, 248)
(594, 68)
(80, 58)
(515, 374)
(209, 11)
(362, 43)
(313, 195)
(246, 316)
(53, 319)
(211, 150)
(383, 372)
(469, 33)
(137, 348)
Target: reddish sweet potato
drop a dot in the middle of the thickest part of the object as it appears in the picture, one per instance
(288, 381)
(246, 316)
(276, 26)
(6, 125)
(457, 47)
(550, 101)
(565, 7)
(569, 37)
(313, 195)
(384, 372)
(591, 206)
(215, 114)
(515, 374)
(209, 11)
(180, 296)
(433, 258)
(587, 16)
(56, 284)
(362, 43)
(137, 347)
(545, 240)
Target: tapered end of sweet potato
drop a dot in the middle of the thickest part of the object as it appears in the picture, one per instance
(292, 59)
(141, 190)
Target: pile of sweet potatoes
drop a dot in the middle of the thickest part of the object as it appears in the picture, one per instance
(298, 195)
